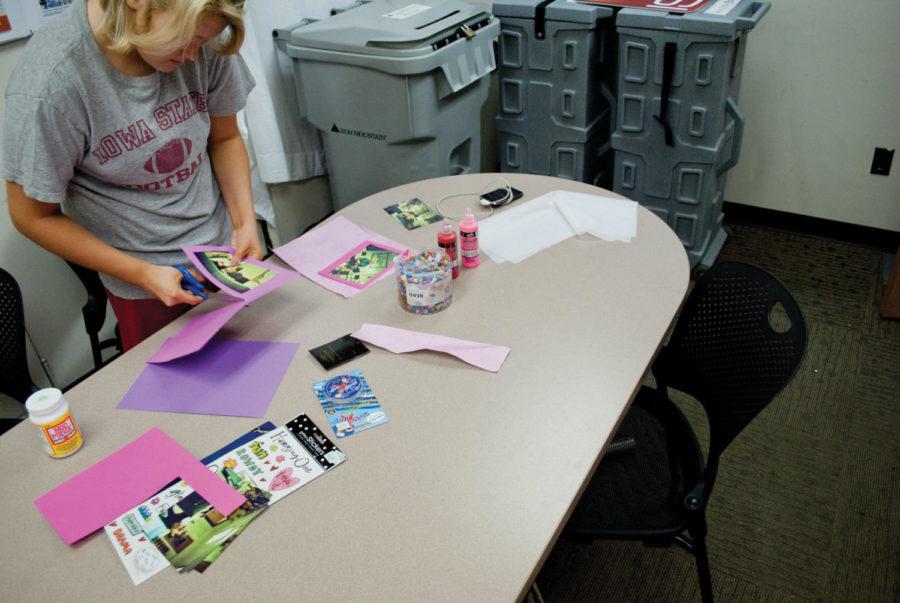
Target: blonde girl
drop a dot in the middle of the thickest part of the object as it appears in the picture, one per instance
(121, 146)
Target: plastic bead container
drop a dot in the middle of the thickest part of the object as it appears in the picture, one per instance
(423, 281)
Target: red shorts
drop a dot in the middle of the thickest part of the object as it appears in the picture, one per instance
(141, 318)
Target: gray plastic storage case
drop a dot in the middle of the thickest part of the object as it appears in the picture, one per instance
(557, 95)
(396, 89)
(683, 183)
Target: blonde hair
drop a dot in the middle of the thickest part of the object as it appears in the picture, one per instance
(124, 26)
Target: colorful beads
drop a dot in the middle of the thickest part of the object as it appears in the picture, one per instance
(423, 281)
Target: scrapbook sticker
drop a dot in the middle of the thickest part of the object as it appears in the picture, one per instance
(349, 403)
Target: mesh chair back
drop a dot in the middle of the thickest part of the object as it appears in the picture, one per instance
(738, 342)
(14, 378)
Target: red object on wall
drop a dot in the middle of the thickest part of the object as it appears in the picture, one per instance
(670, 6)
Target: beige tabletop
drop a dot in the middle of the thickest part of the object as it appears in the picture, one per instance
(461, 495)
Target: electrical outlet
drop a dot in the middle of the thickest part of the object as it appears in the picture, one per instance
(881, 161)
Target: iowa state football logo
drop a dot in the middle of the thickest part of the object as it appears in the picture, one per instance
(169, 157)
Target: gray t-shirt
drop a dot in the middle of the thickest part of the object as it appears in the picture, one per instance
(126, 156)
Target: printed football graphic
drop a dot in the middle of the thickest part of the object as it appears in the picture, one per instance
(169, 157)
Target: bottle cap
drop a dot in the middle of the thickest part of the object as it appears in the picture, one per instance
(446, 227)
(44, 402)
(468, 217)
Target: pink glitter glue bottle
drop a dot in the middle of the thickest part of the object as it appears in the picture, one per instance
(468, 240)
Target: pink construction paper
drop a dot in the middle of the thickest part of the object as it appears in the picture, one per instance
(282, 275)
(227, 377)
(326, 243)
(483, 355)
(125, 479)
(196, 333)
(200, 329)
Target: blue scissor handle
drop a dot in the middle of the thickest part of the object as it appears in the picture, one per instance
(189, 283)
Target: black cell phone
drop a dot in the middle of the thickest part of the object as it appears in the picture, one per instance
(496, 197)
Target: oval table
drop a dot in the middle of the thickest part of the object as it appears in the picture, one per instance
(462, 494)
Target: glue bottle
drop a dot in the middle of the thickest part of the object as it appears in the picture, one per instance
(447, 242)
(468, 244)
(49, 410)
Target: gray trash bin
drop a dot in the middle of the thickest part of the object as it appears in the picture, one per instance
(396, 89)
(679, 126)
(557, 89)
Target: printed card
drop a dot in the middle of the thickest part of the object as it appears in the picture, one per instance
(413, 214)
(191, 534)
(198, 534)
(362, 264)
(349, 403)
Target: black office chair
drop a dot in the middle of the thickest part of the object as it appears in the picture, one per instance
(94, 313)
(15, 381)
(268, 246)
(738, 342)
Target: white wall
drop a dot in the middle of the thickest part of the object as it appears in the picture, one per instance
(52, 293)
(821, 89)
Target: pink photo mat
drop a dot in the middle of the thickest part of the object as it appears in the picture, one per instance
(282, 275)
(308, 253)
(326, 272)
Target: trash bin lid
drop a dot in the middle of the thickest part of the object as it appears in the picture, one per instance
(555, 10)
(401, 28)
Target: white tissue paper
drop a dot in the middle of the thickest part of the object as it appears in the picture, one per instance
(520, 232)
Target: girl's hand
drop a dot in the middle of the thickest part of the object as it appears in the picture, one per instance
(164, 283)
(245, 241)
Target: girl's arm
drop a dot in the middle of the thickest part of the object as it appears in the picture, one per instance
(47, 226)
(232, 170)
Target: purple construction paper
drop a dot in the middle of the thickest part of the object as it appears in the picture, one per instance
(196, 333)
(227, 377)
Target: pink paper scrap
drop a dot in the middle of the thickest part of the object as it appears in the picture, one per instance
(320, 247)
(483, 355)
(196, 333)
(125, 479)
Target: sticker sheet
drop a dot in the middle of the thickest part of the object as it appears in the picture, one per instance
(349, 403)
(282, 460)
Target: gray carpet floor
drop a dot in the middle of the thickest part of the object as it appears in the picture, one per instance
(807, 502)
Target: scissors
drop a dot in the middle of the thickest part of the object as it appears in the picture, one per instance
(190, 283)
